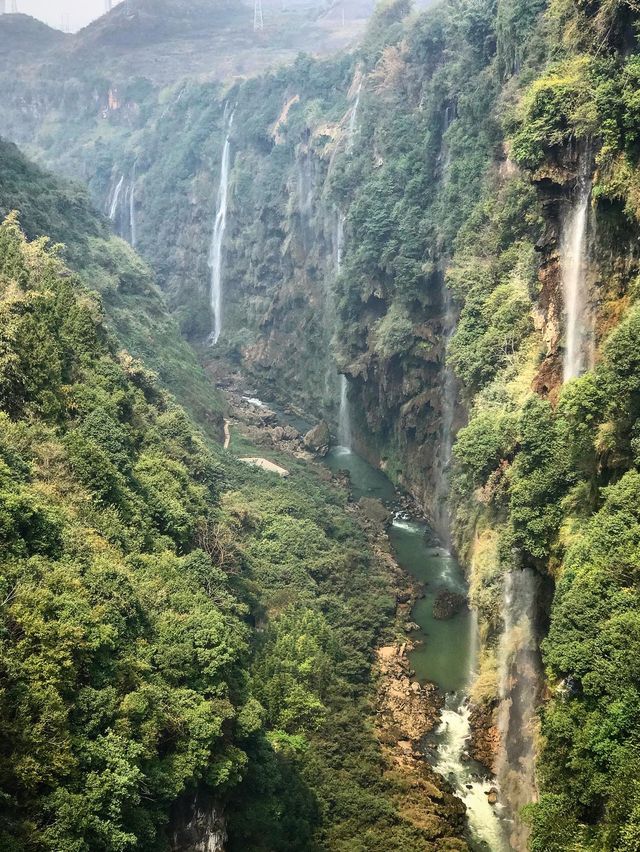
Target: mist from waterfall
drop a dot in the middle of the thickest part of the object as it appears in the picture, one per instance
(520, 681)
(219, 228)
(578, 330)
(339, 240)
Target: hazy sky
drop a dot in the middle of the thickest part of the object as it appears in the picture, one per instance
(77, 13)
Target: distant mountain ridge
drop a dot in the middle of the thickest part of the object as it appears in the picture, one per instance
(216, 39)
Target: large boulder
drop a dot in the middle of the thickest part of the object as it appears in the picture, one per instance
(318, 439)
(447, 604)
(375, 512)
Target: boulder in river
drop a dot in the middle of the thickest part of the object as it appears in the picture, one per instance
(318, 439)
(375, 512)
(447, 604)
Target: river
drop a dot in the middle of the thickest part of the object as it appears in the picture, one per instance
(445, 652)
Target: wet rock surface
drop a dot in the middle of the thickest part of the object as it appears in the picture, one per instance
(485, 737)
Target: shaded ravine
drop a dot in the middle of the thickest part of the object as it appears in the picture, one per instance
(445, 651)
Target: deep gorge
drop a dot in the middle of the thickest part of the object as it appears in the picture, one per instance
(429, 241)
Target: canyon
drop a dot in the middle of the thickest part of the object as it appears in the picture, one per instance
(425, 236)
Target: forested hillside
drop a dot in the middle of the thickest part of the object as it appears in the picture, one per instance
(448, 217)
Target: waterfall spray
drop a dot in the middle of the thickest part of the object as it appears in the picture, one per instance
(219, 227)
(574, 284)
(339, 240)
(520, 680)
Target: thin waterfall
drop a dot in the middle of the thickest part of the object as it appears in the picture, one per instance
(219, 227)
(520, 682)
(132, 209)
(345, 438)
(344, 415)
(115, 198)
(305, 184)
(354, 118)
(339, 239)
(447, 421)
(573, 261)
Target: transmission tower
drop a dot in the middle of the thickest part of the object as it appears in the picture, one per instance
(107, 5)
(13, 7)
(258, 20)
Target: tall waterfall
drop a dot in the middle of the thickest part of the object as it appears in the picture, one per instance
(520, 681)
(344, 411)
(447, 422)
(115, 198)
(344, 415)
(573, 254)
(132, 210)
(121, 207)
(339, 239)
(354, 118)
(219, 227)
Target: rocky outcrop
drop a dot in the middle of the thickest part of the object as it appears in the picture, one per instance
(375, 512)
(318, 439)
(485, 736)
(198, 825)
(407, 712)
(406, 708)
(447, 604)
